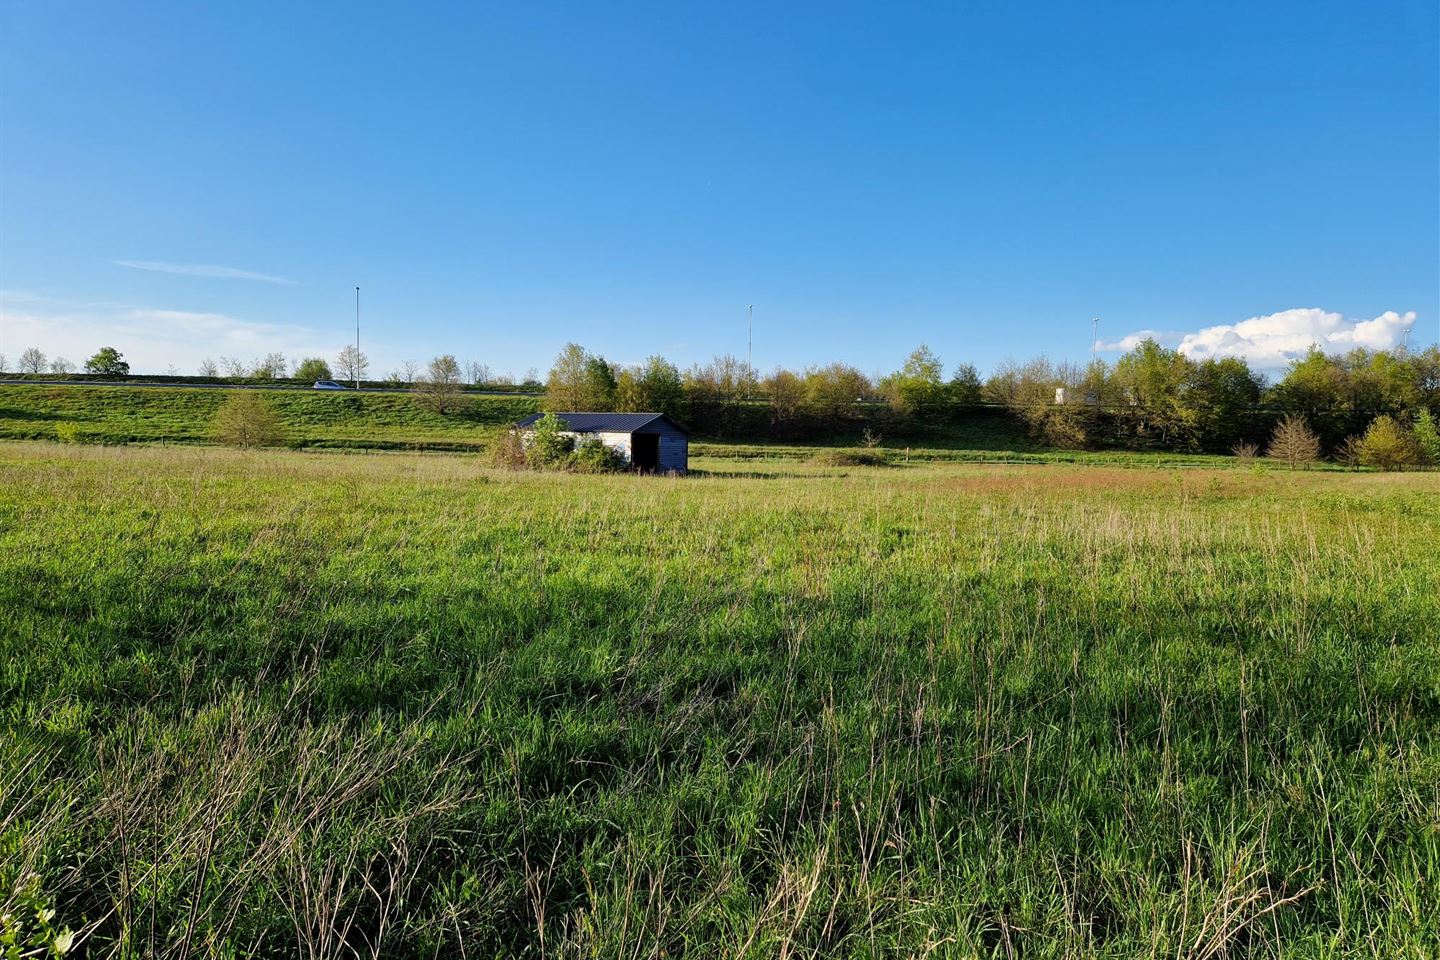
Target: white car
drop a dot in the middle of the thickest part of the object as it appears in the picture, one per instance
(329, 385)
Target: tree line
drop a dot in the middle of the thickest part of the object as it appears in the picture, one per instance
(1152, 397)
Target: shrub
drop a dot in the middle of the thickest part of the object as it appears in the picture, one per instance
(509, 451)
(1245, 452)
(592, 455)
(1293, 442)
(247, 419)
(1388, 445)
(1427, 437)
(851, 458)
(548, 444)
(69, 432)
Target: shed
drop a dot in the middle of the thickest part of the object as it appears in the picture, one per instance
(649, 442)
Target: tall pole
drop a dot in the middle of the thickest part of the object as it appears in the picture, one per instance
(1094, 338)
(357, 338)
(1405, 343)
(750, 341)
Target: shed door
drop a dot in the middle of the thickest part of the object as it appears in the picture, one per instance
(645, 451)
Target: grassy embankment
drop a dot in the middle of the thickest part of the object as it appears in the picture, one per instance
(268, 703)
(312, 418)
(316, 419)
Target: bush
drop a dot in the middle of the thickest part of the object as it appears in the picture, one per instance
(1388, 445)
(71, 432)
(1245, 452)
(509, 451)
(548, 444)
(851, 458)
(593, 456)
(247, 420)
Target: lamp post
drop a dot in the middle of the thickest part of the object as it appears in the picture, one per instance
(750, 339)
(357, 338)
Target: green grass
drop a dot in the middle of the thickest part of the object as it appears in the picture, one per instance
(261, 704)
(311, 418)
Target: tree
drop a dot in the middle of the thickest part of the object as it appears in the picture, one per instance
(408, 371)
(579, 381)
(653, 387)
(834, 389)
(600, 379)
(477, 373)
(1427, 437)
(1293, 442)
(439, 388)
(918, 385)
(2, 362)
(1388, 445)
(787, 396)
(234, 367)
(246, 419)
(351, 364)
(61, 365)
(108, 362)
(965, 386)
(1154, 381)
(313, 368)
(272, 366)
(1216, 399)
(208, 369)
(32, 361)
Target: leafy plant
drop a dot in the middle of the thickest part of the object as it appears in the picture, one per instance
(1427, 436)
(549, 443)
(246, 419)
(593, 455)
(1387, 445)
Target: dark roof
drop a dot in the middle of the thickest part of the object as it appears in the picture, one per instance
(605, 422)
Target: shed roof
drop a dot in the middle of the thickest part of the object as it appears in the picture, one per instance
(605, 422)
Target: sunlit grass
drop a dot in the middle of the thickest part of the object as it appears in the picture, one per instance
(255, 700)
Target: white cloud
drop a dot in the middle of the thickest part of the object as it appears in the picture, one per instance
(1131, 341)
(1275, 339)
(201, 270)
(151, 339)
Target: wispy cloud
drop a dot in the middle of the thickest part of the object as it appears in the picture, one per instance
(1275, 339)
(152, 339)
(201, 270)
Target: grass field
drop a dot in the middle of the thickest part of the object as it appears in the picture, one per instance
(402, 705)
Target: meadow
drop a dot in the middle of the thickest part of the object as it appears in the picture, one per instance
(339, 704)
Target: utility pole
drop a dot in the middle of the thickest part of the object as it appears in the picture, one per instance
(357, 338)
(1094, 337)
(1405, 343)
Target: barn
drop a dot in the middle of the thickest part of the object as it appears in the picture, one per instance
(649, 442)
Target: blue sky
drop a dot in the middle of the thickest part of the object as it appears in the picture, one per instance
(190, 180)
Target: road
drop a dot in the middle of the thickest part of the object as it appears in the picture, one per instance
(243, 386)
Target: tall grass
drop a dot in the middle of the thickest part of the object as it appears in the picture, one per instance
(279, 704)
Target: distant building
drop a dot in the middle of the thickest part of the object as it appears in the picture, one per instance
(649, 442)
